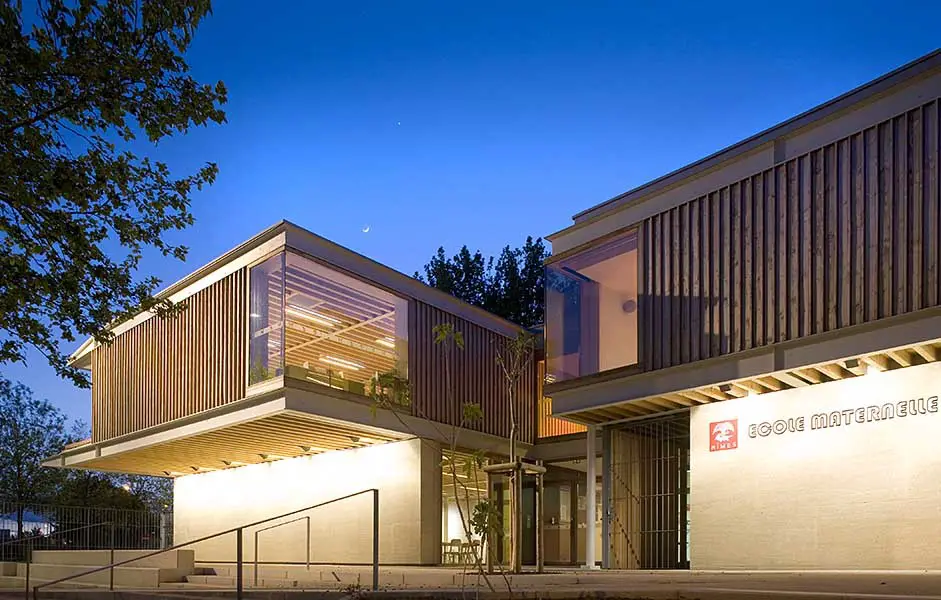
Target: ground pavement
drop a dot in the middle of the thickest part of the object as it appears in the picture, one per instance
(609, 585)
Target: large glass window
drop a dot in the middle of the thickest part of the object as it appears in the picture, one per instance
(591, 310)
(338, 331)
(266, 322)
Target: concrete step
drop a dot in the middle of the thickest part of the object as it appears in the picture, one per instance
(174, 559)
(15, 582)
(7, 569)
(137, 577)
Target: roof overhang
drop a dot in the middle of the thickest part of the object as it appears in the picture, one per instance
(630, 394)
(285, 234)
(286, 418)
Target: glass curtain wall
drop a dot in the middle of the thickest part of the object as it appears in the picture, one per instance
(591, 310)
(266, 320)
(459, 495)
(333, 330)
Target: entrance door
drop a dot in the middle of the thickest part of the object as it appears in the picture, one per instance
(648, 494)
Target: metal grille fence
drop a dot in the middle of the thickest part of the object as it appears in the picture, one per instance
(648, 493)
(50, 527)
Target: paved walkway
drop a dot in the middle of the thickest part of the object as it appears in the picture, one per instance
(610, 585)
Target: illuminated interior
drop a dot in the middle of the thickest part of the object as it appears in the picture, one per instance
(313, 323)
(467, 489)
(591, 310)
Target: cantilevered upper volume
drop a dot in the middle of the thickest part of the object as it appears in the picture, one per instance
(283, 346)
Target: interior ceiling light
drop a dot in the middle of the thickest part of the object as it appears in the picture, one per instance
(310, 315)
(271, 456)
(342, 362)
(386, 341)
(234, 463)
(255, 316)
(309, 449)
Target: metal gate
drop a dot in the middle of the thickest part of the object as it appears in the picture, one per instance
(647, 493)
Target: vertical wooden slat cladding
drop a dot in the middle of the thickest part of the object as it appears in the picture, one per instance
(845, 234)
(546, 425)
(167, 368)
(475, 376)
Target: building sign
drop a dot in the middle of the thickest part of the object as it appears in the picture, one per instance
(723, 435)
(845, 417)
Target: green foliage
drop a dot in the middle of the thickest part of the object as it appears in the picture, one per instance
(512, 285)
(446, 334)
(486, 519)
(88, 488)
(77, 86)
(30, 431)
(258, 372)
(472, 413)
(389, 390)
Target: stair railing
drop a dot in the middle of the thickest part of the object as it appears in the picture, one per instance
(307, 518)
(29, 546)
(238, 546)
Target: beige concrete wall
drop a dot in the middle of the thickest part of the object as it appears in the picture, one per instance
(407, 475)
(863, 495)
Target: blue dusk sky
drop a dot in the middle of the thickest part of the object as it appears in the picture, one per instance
(451, 122)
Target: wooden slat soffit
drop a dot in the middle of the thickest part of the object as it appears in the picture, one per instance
(899, 358)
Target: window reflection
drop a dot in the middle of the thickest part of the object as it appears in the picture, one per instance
(591, 310)
(265, 320)
(342, 333)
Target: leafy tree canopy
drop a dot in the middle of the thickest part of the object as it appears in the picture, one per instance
(31, 430)
(510, 285)
(78, 84)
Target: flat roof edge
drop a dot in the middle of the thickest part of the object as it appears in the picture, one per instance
(867, 90)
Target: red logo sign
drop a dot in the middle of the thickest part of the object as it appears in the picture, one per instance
(723, 435)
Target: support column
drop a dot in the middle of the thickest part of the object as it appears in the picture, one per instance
(606, 508)
(590, 529)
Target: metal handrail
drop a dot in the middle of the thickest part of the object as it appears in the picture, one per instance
(29, 549)
(307, 518)
(238, 546)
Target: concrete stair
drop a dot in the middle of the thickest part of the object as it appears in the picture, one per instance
(50, 565)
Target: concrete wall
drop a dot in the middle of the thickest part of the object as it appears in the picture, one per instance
(407, 475)
(858, 495)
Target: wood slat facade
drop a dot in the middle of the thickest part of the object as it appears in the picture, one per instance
(475, 376)
(845, 234)
(167, 368)
(548, 426)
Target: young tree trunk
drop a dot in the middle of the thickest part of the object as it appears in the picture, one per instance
(19, 520)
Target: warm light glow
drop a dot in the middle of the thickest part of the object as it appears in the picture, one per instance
(386, 341)
(272, 457)
(342, 362)
(310, 315)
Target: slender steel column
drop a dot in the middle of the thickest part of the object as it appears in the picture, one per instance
(590, 528)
